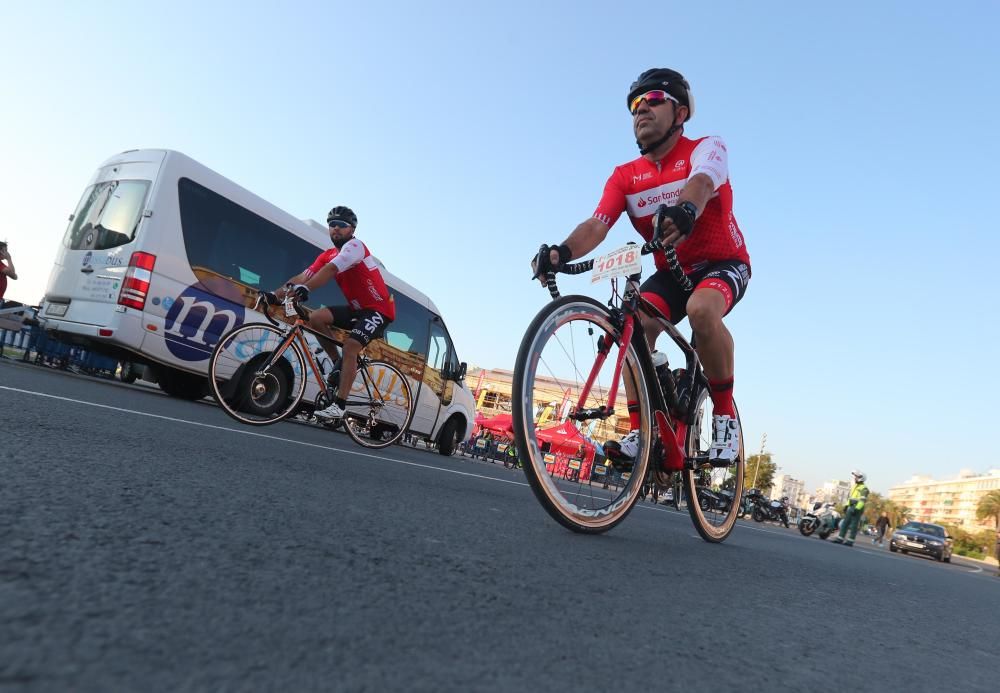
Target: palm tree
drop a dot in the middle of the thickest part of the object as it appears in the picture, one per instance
(989, 506)
(897, 513)
(874, 506)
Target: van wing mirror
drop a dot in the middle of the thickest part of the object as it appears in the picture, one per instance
(462, 368)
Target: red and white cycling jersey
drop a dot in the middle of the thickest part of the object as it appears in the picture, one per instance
(640, 186)
(358, 276)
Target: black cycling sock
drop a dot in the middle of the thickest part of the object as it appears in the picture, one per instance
(340, 402)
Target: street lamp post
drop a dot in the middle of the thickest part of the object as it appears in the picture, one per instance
(756, 471)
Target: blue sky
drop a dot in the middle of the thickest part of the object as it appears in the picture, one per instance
(862, 140)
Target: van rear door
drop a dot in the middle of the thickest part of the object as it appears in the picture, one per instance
(102, 234)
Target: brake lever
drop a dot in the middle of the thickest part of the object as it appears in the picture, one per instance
(542, 262)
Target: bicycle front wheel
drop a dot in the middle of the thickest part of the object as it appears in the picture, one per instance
(379, 406)
(558, 369)
(713, 510)
(251, 381)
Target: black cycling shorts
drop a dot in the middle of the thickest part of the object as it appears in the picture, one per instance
(729, 277)
(363, 325)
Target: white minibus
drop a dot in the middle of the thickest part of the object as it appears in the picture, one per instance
(164, 255)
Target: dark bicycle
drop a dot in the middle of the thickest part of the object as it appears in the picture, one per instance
(591, 351)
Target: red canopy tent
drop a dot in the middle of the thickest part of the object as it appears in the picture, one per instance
(501, 424)
(565, 442)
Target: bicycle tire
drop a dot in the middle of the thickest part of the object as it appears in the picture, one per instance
(241, 387)
(580, 506)
(712, 524)
(379, 407)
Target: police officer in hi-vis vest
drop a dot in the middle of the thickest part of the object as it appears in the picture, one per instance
(853, 511)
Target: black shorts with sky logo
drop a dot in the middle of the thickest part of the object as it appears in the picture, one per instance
(363, 325)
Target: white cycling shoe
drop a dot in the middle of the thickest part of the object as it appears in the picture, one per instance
(331, 412)
(725, 439)
(622, 452)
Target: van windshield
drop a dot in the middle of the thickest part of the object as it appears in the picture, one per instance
(107, 216)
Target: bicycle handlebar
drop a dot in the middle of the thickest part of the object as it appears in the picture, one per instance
(673, 264)
(262, 305)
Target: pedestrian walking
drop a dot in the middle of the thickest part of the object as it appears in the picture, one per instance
(881, 526)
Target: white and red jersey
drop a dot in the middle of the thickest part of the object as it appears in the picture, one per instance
(640, 186)
(358, 276)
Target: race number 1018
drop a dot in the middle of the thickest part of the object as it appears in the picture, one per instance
(618, 263)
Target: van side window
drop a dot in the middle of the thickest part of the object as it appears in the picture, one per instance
(409, 331)
(437, 354)
(229, 240)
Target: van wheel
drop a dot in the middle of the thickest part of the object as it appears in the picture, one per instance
(127, 374)
(448, 437)
(180, 384)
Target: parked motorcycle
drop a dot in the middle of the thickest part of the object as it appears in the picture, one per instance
(747, 502)
(823, 520)
(771, 510)
(714, 500)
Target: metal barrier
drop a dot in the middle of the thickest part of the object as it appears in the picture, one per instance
(21, 332)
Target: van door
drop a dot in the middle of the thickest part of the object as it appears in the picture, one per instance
(102, 234)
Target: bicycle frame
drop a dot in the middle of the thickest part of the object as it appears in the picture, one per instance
(672, 429)
(295, 334)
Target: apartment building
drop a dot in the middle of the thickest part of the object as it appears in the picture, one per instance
(835, 492)
(785, 485)
(952, 501)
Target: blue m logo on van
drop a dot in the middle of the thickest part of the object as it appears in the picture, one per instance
(195, 321)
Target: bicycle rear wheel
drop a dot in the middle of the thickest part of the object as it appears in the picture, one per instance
(379, 406)
(555, 360)
(251, 382)
(713, 520)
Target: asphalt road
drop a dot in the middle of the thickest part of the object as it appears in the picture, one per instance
(151, 543)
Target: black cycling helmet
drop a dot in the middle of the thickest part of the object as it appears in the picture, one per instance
(668, 80)
(673, 83)
(341, 213)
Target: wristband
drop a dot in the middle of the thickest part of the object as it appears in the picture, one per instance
(690, 208)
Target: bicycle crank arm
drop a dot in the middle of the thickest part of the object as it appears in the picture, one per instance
(703, 461)
(673, 455)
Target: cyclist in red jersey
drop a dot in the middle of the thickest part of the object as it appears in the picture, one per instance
(687, 182)
(370, 305)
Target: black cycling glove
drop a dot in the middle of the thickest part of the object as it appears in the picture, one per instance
(543, 263)
(300, 292)
(683, 216)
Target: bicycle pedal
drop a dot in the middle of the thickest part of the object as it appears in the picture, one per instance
(696, 462)
(621, 465)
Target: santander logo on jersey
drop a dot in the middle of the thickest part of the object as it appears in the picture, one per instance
(637, 203)
(664, 198)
